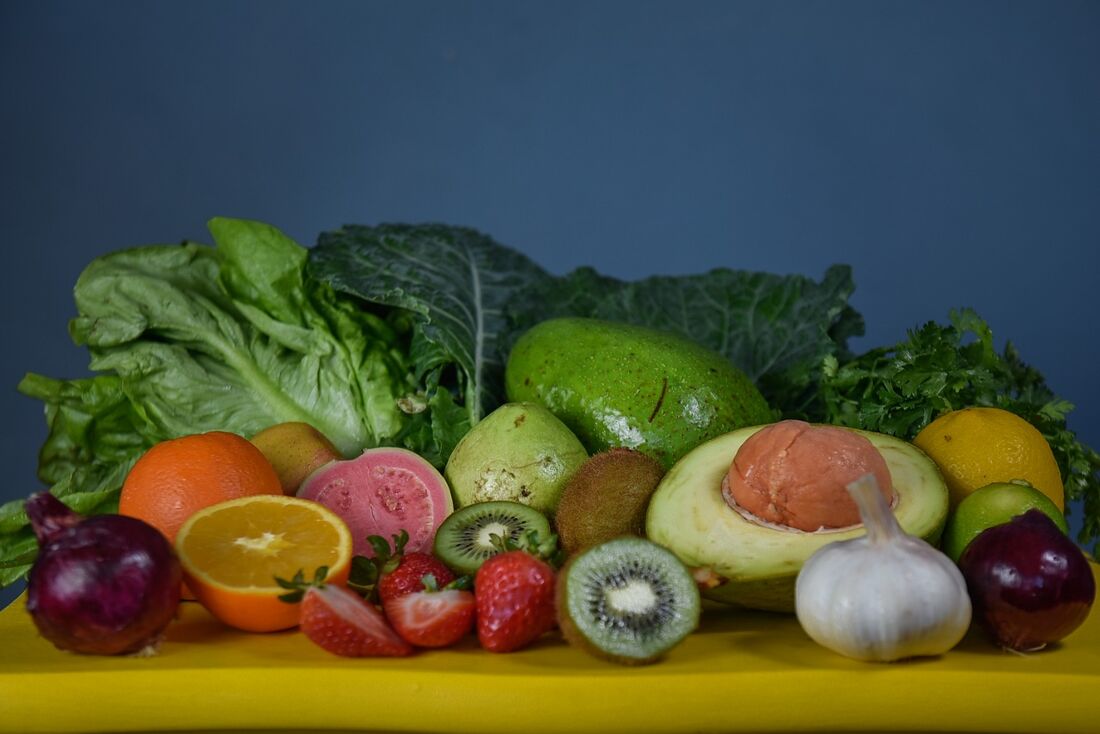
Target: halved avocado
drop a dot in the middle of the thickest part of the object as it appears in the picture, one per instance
(756, 565)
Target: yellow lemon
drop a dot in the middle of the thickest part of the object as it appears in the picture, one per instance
(974, 447)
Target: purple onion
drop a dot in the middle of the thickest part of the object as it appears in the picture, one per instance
(105, 585)
(1030, 585)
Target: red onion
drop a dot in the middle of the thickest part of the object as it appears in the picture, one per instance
(105, 585)
(1030, 585)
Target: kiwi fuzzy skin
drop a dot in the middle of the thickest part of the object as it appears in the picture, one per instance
(572, 633)
(607, 497)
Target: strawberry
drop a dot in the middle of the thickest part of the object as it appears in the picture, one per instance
(340, 621)
(392, 572)
(432, 617)
(407, 577)
(514, 591)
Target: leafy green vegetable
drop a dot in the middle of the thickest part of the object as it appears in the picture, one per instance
(233, 339)
(189, 338)
(777, 329)
(900, 389)
(93, 441)
(471, 298)
(397, 335)
(457, 284)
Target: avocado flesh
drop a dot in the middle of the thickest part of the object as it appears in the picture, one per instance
(759, 564)
(618, 385)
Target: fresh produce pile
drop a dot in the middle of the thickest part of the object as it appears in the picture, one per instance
(408, 434)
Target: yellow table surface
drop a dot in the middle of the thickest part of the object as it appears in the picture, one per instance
(741, 672)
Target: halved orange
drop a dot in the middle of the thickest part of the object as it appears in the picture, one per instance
(232, 552)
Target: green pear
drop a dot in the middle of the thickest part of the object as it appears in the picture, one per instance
(519, 452)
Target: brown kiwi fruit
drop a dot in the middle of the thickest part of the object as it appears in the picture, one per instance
(605, 498)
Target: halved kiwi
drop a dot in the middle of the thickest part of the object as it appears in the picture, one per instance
(628, 600)
(464, 539)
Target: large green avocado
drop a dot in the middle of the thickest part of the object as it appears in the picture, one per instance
(620, 385)
(756, 565)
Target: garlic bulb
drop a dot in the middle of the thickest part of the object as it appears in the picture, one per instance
(884, 596)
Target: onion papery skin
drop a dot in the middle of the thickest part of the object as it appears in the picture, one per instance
(105, 585)
(1030, 584)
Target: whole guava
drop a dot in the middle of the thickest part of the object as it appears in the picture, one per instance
(519, 452)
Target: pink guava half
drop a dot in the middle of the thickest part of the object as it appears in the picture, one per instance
(382, 492)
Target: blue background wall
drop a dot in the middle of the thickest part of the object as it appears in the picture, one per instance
(949, 151)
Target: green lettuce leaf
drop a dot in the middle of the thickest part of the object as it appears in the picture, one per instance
(454, 283)
(188, 338)
(232, 339)
(92, 442)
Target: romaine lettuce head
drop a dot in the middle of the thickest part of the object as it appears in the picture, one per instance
(189, 338)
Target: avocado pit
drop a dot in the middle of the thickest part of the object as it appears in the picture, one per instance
(792, 475)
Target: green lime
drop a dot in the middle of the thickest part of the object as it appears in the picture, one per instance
(994, 504)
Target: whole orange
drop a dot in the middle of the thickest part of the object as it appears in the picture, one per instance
(178, 477)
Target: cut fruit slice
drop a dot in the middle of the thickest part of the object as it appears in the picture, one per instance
(343, 623)
(755, 564)
(464, 539)
(627, 600)
(382, 492)
(233, 551)
(432, 618)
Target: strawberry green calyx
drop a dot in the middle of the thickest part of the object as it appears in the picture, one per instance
(431, 584)
(298, 585)
(545, 549)
(386, 558)
(366, 572)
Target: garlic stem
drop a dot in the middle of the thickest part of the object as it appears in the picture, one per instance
(874, 510)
